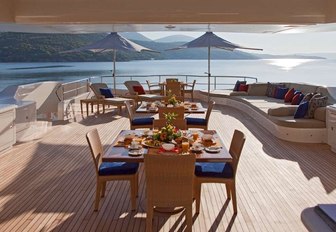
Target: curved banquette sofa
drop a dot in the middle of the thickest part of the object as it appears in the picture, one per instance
(276, 115)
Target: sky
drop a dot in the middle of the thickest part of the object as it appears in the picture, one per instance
(278, 44)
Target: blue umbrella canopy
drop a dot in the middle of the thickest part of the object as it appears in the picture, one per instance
(208, 40)
(113, 42)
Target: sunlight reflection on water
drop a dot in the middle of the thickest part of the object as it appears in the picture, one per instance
(288, 64)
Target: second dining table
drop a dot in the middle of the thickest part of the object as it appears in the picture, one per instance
(152, 107)
(119, 151)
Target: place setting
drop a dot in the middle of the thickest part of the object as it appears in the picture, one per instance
(135, 149)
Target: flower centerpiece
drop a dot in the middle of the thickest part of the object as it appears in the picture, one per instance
(172, 99)
(169, 132)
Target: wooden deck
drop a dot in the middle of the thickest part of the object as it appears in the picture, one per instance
(49, 184)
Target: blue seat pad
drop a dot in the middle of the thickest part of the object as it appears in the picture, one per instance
(117, 168)
(196, 121)
(143, 121)
(218, 170)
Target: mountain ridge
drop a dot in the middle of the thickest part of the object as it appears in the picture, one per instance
(31, 47)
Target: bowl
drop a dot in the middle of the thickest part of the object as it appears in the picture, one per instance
(168, 146)
(207, 137)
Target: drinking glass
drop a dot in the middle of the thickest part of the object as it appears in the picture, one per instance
(185, 147)
(195, 135)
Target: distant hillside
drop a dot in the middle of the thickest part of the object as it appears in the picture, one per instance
(135, 36)
(322, 54)
(175, 38)
(30, 47)
(290, 56)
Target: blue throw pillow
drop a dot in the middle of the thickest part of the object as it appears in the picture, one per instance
(280, 92)
(301, 110)
(106, 92)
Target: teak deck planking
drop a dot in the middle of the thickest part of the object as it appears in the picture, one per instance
(49, 184)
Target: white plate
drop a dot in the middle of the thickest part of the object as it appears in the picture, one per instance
(135, 152)
(213, 149)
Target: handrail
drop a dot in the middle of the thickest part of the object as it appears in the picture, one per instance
(201, 80)
(180, 76)
(80, 86)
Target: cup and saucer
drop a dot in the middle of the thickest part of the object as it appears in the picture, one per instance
(134, 146)
(196, 147)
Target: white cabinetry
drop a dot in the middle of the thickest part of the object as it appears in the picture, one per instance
(25, 116)
(331, 126)
(7, 126)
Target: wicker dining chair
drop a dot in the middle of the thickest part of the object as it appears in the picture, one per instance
(178, 123)
(200, 122)
(224, 173)
(111, 171)
(139, 122)
(175, 88)
(172, 79)
(169, 185)
(179, 111)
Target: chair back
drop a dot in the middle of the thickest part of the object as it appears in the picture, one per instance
(175, 87)
(129, 111)
(95, 87)
(171, 80)
(209, 110)
(192, 85)
(177, 110)
(178, 123)
(130, 84)
(96, 147)
(169, 184)
(236, 147)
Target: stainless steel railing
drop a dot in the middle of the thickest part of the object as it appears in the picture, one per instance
(71, 89)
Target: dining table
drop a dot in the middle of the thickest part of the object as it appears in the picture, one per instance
(119, 151)
(152, 107)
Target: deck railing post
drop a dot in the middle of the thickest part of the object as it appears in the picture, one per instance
(215, 82)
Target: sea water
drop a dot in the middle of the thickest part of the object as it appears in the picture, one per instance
(319, 71)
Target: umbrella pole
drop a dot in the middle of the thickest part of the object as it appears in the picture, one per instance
(114, 77)
(209, 74)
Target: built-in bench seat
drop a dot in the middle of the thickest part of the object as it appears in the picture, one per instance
(278, 116)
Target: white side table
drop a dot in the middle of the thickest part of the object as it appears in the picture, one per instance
(331, 126)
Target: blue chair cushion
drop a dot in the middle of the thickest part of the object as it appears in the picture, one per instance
(117, 168)
(106, 92)
(142, 121)
(217, 170)
(196, 121)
